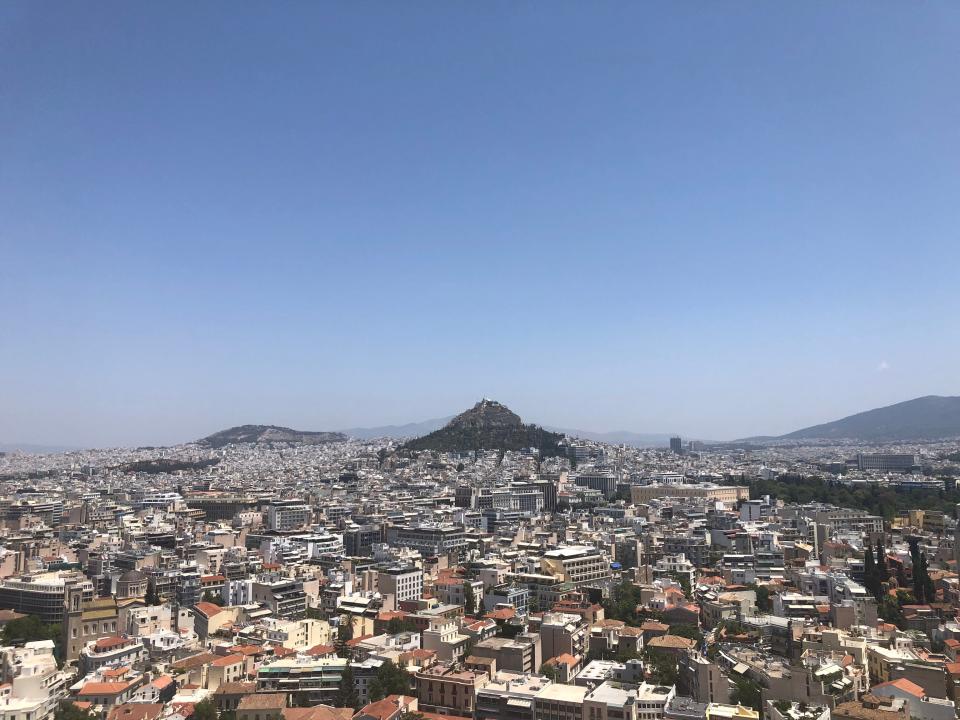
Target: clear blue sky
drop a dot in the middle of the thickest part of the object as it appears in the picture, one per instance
(712, 218)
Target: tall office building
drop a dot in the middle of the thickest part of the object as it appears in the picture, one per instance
(676, 445)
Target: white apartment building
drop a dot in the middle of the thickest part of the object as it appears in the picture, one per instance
(404, 583)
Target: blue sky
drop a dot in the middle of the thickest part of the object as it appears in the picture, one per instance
(718, 219)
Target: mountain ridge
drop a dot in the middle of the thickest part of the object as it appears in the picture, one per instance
(268, 434)
(930, 417)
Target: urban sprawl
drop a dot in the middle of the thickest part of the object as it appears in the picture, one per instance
(348, 579)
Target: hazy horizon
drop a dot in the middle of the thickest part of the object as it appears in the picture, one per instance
(720, 220)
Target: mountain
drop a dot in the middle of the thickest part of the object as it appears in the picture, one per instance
(926, 418)
(268, 434)
(409, 430)
(488, 425)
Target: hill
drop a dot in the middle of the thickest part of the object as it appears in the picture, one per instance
(488, 425)
(267, 435)
(932, 417)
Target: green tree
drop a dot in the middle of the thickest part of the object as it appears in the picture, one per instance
(880, 556)
(551, 671)
(205, 710)
(400, 625)
(66, 710)
(344, 635)
(469, 599)
(889, 610)
(662, 667)
(31, 628)
(746, 692)
(684, 581)
(210, 597)
(687, 630)
(871, 576)
(929, 589)
(347, 696)
(389, 680)
(152, 597)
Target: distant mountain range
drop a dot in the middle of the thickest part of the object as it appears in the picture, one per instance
(932, 417)
(267, 435)
(398, 432)
(488, 425)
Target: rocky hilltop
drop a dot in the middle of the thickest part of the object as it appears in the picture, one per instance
(488, 425)
(268, 435)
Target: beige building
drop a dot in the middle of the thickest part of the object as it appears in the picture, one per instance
(444, 690)
(729, 495)
(577, 564)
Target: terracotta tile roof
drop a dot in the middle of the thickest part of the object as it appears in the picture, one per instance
(318, 712)
(194, 661)
(263, 701)
(135, 711)
(208, 609)
(227, 660)
(236, 688)
(564, 659)
(109, 643)
(357, 640)
(386, 708)
(671, 641)
(162, 682)
(901, 683)
(103, 688)
(321, 650)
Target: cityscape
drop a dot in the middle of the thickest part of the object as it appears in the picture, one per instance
(500, 360)
(489, 569)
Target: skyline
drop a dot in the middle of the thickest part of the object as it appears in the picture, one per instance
(721, 222)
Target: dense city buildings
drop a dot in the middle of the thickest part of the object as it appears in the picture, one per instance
(353, 578)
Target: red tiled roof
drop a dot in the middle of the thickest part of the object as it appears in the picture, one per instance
(208, 609)
(903, 684)
(103, 688)
(227, 660)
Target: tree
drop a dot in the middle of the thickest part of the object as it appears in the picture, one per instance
(871, 576)
(684, 581)
(889, 610)
(210, 597)
(469, 599)
(205, 710)
(347, 696)
(344, 635)
(551, 671)
(152, 597)
(31, 628)
(66, 710)
(662, 667)
(929, 590)
(883, 572)
(400, 625)
(687, 630)
(389, 680)
(746, 692)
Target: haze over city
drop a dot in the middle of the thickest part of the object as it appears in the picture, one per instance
(719, 220)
